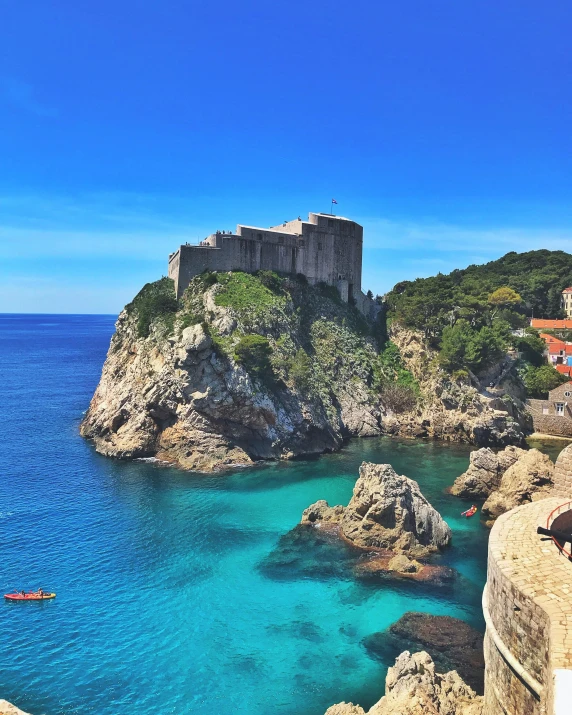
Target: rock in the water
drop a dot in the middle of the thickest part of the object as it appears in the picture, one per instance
(345, 709)
(452, 643)
(485, 472)
(7, 708)
(528, 479)
(321, 511)
(412, 687)
(403, 564)
(388, 511)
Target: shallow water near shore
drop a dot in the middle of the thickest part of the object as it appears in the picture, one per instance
(164, 603)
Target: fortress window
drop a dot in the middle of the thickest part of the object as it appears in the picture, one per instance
(330, 222)
(319, 246)
(259, 236)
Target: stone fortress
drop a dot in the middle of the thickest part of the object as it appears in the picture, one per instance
(325, 248)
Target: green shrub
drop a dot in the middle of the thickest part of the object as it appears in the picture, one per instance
(301, 369)
(540, 380)
(253, 352)
(154, 301)
(330, 292)
(271, 280)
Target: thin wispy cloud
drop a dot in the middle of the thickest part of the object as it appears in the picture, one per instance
(21, 95)
(381, 233)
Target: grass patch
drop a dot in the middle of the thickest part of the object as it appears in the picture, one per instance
(243, 291)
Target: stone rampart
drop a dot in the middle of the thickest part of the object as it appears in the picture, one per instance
(545, 421)
(563, 474)
(527, 605)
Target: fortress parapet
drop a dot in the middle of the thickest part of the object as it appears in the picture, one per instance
(527, 604)
(324, 248)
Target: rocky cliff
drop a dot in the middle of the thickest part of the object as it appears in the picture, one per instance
(246, 367)
(386, 512)
(413, 687)
(451, 410)
(242, 368)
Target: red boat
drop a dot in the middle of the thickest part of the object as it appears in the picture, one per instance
(30, 596)
(470, 512)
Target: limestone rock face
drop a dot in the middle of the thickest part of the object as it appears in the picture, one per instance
(7, 708)
(412, 687)
(388, 511)
(528, 479)
(320, 512)
(180, 395)
(451, 411)
(485, 472)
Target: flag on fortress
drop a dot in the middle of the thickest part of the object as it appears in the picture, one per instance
(334, 201)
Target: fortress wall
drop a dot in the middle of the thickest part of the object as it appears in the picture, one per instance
(324, 248)
(563, 475)
(527, 607)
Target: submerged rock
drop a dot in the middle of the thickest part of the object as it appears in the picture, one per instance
(388, 511)
(452, 643)
(413, 687)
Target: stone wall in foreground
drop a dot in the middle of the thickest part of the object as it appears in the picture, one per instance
(527, 605)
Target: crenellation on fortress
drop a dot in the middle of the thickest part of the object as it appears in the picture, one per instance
(325, 248)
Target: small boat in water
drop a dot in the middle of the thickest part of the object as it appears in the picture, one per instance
(470, 512)
(30, 596)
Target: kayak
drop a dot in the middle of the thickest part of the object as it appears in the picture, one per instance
(469, 512)
(31, 596)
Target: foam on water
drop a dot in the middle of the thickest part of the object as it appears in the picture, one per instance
(174, 591)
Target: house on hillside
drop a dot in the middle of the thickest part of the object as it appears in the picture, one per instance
(544, 324)
(565, 370)
(554, 415)
(566, 302)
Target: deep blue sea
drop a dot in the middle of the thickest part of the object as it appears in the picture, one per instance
(179, 592)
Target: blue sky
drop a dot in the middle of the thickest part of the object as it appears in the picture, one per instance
(127, 127)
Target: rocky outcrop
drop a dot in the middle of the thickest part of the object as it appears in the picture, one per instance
(530, 478)
(485, 472)
(386, 512)
(182, 395)
(452, 643)
(413, 687)
(505, 479)
(7, 708)
(453, 411)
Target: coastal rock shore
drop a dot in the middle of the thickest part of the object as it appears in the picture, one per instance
(505, 479)
(7, 708)
(413, 687)
(245, 368)
(387, 512)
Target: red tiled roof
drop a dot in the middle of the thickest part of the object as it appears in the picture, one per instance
(550, 339)
(564, 369)
(567, 290)
(540, 323)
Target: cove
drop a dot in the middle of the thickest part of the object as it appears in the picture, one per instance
(167, 599)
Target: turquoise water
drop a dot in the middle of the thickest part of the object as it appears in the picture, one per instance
(173, 596)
